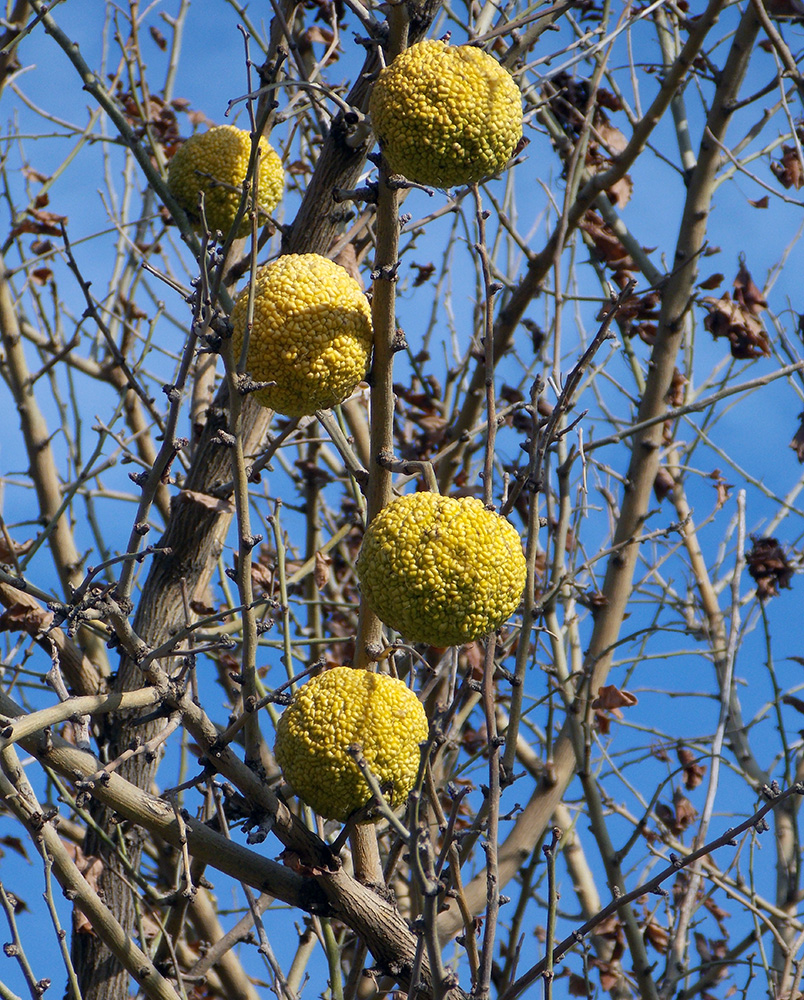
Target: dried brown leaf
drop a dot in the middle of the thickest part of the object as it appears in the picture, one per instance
(663, 483)
(14, 844)
(606, 243)
(746, 292)
(201, 608)
(41, 275)
(657, 936)
(321, 571)
(713, 281)
(34, 175)
(797, 444)
(91, 867)
(611, 699)
(158, 38)
(19, 548)
(769, 567)
(424, 273)
(577, 985)
(347, 258)
(717, 912)
(788, 170)
(793, 702)
(685, 811)
(605, 99)
(693, 772)
(315, 33)
(30, 618)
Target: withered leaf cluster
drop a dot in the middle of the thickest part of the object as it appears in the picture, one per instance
(664, 482)
(693, 773)
(568, 100)
(638, 314)
(656, 935)
(609, 970)
(679, 816)
(797, 444)
(38, 219)
(788, 170)
(156, 116)
(769, 566)
(737, 318)
(421, 426)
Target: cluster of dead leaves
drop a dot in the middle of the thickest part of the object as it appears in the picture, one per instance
(710, 950)
(737, 318)
(788, 169)
(152, 114)
(638, 314)
(663, 483)
(769, 566)
(568, 99)
(610, 971)
(39, 221)
(693, 772)
(423, 428)
(678, 816)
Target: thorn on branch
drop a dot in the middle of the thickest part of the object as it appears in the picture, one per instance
(366, 195)
(396, 182)
(246, 384)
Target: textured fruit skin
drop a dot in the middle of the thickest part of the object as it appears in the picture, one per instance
(446, 115)
(223, 153)
(312, 334)
(334, 710)
(441, 570)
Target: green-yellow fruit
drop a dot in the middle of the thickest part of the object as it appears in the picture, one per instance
(335, 710)
(446, 115)
(311, 334)
(441, 570)
(216, 162)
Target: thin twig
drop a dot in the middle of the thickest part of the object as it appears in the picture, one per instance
(729, 838)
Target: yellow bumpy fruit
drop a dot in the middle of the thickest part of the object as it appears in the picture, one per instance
(441, 570)
(328, 714)
(311, 335)
(216, 162)
(446, 115)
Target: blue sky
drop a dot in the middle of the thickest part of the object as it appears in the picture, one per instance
(755, 431)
